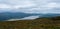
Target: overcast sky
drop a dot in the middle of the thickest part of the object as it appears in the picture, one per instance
(30, 6)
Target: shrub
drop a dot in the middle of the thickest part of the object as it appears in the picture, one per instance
(56, 18)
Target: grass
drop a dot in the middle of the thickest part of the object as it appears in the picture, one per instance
(43, 23)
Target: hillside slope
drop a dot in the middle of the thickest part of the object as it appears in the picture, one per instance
(43, 23)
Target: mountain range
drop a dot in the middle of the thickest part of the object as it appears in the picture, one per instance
(19, 15)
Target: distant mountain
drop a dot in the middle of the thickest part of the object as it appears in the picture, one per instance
(49, 15)
(19, 15)
(46, 15)
(10, 15)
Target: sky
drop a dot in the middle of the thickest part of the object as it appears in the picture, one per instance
(30, 6)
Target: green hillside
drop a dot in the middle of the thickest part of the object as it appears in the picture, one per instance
(39, 23)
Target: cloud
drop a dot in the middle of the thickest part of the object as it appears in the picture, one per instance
(30, 6)
(4, 6)
(26, 18)
(17, 3)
